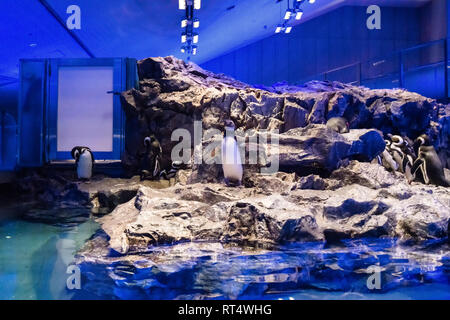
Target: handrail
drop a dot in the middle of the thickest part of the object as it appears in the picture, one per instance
(401, 66)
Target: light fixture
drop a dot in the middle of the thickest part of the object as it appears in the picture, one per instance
(189, 24)
(292, 12)
(287, 15)
(196, 23)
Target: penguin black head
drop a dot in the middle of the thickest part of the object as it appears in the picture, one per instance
(177, 164)
(75, 153)
(396, 139)
(78, 151)
(422, 140)
(148, 141)
(229, 125)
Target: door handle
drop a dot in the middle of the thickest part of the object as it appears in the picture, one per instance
(113, 92)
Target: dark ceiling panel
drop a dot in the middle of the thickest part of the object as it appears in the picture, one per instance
(27, 30)
(142, 28)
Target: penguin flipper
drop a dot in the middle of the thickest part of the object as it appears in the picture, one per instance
(157, 168)
(423, 168)
(416, 166)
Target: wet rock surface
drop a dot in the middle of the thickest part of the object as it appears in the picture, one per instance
(309, 271)
(357, 201)
(282, 233)
(44, 195)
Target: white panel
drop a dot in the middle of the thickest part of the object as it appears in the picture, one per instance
(85, 110)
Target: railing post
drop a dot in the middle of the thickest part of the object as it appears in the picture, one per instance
(446, 68)
(2, 135)
(360, 74)
(401, 71)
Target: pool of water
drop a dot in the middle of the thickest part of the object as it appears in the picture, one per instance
(35, 255)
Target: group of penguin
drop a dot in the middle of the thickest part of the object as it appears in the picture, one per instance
(231, 159)
(150, 164)
(417, 160)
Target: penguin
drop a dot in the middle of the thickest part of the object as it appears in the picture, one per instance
(176, 165)
(231, 157)
(151, 161)
(403, 154)
(84, 160)
(338, 124)
(422, 140)
(385, 158)
(428, 163)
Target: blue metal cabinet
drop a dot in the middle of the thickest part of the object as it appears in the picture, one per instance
(38, 107)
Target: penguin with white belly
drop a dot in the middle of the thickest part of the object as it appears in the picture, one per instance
(428, 163)
(231, 157)
(84, 160)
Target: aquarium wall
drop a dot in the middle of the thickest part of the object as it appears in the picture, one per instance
(338, 46)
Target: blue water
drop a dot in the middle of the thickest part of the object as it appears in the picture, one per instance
(34, 258)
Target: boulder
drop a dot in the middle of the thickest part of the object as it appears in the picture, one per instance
(173, 94)
(276, 209)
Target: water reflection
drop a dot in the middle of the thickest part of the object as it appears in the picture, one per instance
(34, 257)
(211, 271)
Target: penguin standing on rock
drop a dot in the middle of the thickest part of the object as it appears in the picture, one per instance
(385, 158)
(428, 163)
(84, 160)
(338, 124)
(151, 161)
(231, 157)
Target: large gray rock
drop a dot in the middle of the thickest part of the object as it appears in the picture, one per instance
(172, 94)
(360, 200)
(312, 149)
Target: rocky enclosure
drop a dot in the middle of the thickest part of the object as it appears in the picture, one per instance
(172, 94)
(326, 189)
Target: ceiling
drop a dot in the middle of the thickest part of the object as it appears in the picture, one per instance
(142, 28)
